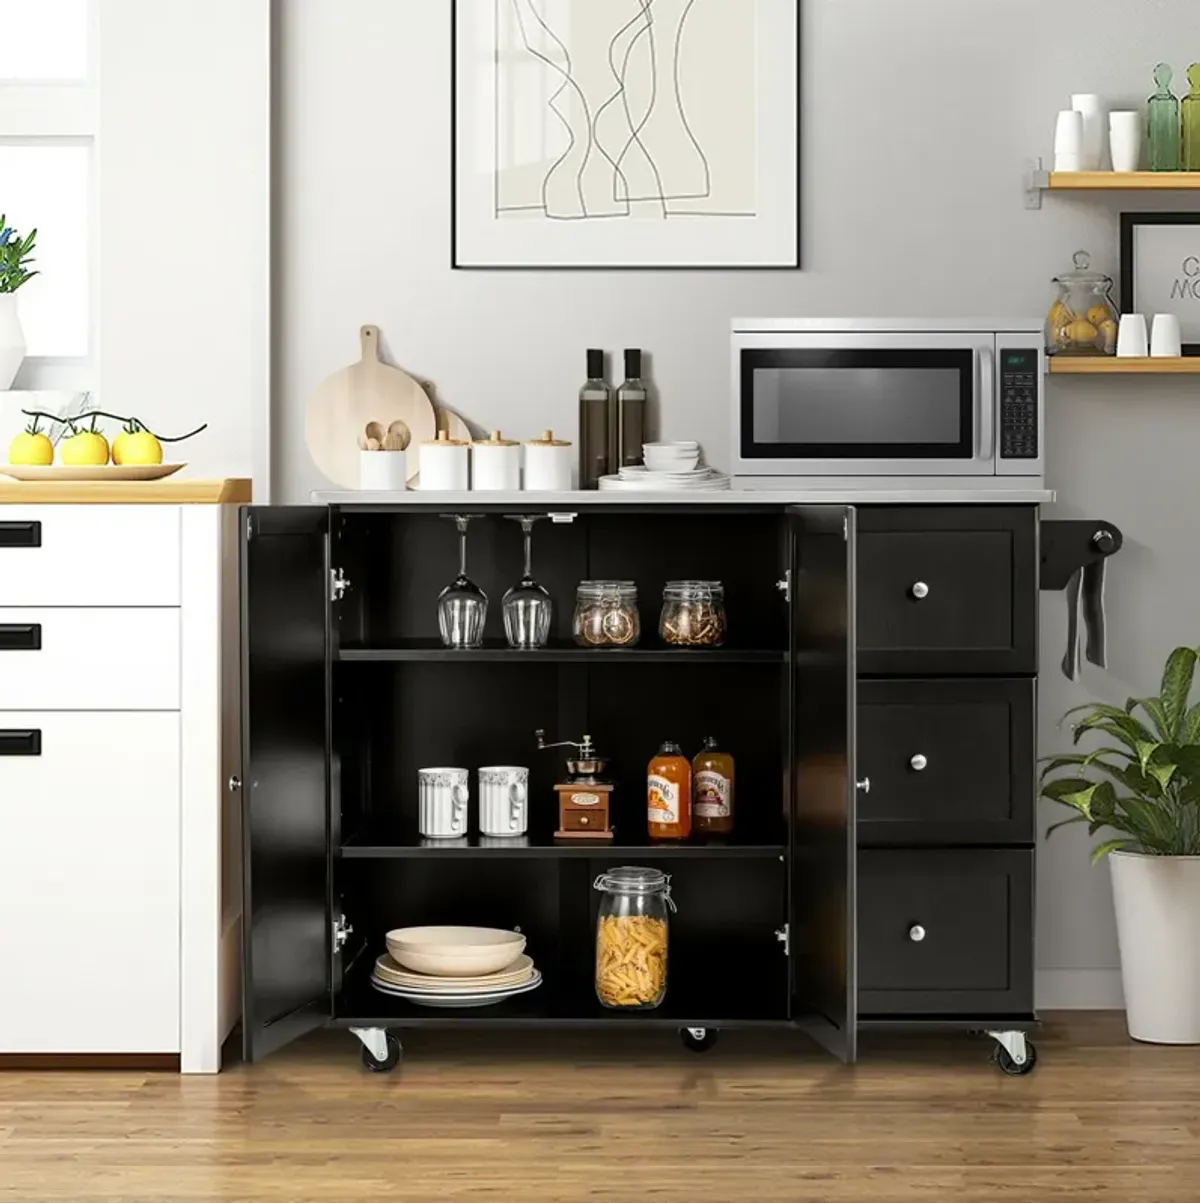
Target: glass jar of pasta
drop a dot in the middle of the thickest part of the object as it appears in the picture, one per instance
(631, 938)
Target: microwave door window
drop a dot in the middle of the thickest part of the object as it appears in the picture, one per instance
(860, 410)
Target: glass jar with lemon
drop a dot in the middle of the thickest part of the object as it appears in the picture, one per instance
(1083, 319)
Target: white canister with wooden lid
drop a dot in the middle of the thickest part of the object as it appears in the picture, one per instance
(549, 463)
(496, 465)
(445, 465)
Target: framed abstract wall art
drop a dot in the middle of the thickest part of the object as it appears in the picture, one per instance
(626, 133)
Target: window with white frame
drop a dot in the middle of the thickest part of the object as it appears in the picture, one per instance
(48, 128)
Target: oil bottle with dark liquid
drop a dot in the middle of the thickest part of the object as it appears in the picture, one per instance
(597, 407)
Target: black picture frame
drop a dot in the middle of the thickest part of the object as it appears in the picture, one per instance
(455, 265)
(1130, 222)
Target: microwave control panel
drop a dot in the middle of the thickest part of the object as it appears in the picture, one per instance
(1019, 389)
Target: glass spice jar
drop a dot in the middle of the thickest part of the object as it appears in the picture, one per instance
(632, 935)
(606, 614)
(693, 614)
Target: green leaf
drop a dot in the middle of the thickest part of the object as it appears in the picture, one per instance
(1102, 850)
(1176, 687)
(1162, 765)
(1189, 729)
(1158, 715)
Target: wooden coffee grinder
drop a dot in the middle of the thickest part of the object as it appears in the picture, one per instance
(585, 798)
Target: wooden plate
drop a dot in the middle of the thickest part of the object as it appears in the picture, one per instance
(367, 391)
(96, 472)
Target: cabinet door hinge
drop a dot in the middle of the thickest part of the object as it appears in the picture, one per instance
(341, 933)
(249, 527)
(338, 584)
(785, 585)
(845, 528)
(784, 936)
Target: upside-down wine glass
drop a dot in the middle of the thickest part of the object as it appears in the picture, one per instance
(527, 606)
(462, 605)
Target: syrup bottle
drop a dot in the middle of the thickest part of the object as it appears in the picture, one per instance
(669, 794)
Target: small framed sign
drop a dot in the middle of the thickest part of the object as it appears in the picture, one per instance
(1160, 269)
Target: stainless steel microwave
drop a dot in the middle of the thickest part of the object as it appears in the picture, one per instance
(855, 398)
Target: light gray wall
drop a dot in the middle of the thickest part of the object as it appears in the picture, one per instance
(918, 117)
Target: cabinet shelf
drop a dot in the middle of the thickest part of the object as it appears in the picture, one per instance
(1109, 365)
(427, 651)
(402, 841)
(699, 994)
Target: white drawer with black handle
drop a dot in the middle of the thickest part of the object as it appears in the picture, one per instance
(89, 659)
(90, 555)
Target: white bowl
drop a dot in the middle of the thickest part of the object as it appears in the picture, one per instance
(672, 463)
(455, 951)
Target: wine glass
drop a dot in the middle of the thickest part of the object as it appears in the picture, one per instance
(462, 605)
(527, 606)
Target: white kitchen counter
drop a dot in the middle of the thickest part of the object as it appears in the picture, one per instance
(831, 491)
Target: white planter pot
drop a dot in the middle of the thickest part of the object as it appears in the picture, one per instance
(12, 340)
(1157, 901)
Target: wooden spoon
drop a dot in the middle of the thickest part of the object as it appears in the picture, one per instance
(376, 432)
(399, 431)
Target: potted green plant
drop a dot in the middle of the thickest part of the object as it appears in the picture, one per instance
(15, 259)
(1141, 787)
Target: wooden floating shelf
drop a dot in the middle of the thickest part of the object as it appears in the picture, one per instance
(1122, 181)
(1083, 365)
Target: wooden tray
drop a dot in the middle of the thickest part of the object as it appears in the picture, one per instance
(71, 472)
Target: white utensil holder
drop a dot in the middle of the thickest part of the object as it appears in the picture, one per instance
(383, 471)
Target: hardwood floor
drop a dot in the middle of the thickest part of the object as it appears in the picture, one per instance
(622, 1119)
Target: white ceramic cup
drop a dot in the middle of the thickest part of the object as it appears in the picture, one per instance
(1132, 340)
(1095, 129)
(383, 471)
(1068, 141)
(503, 800)
(1166, 337)
(443, 797)
(1125, 140)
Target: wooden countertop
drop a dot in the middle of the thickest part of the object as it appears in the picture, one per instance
(126, 492)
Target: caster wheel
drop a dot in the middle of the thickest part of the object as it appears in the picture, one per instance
(394, 1052)
(698, 1040)
(1010, 1067)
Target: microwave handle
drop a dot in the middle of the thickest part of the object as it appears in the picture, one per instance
(987, 404)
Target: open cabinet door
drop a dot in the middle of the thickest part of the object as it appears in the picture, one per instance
(822, 924)
(286, 934)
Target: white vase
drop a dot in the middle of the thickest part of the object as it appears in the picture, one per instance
(1157, 901)
(12, 340)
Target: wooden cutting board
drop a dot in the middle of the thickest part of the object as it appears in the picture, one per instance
(367, 391)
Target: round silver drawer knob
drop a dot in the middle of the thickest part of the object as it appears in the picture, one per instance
(916, 933)
(918, 763)
(920, 590)
(864, 785)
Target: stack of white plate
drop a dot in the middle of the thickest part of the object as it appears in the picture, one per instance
(643, 480)
(455, 966)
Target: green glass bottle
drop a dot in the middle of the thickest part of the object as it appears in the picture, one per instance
(1191, 121)
(1164, 123)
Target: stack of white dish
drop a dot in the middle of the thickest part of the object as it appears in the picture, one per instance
(455, 966)
(669, 468)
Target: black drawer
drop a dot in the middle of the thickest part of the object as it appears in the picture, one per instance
(949, 761)
(945, 933)
(947, 591)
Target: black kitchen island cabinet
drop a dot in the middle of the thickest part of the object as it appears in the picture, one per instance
(876, 689)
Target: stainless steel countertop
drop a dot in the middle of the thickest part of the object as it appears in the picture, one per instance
(892, 491)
